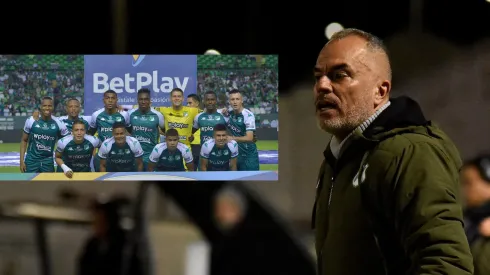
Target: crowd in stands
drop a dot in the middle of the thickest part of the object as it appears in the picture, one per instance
(256, 76)
(25, 79)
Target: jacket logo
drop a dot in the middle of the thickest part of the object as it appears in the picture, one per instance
(362, 172)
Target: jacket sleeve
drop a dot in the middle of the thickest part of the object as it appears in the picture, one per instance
(423, 191)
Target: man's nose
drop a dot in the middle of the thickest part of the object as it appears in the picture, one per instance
(323, 85)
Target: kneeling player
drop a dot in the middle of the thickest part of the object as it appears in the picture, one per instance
(120, 153)
(74, 152)
(168, 156)
(217, 154)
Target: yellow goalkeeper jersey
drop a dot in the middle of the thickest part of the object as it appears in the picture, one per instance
(181, 120)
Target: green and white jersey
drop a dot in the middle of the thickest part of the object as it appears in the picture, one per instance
(145, 129)
(206, 122)
(167, 160)
(69, 123)
(219, 158)
(103, 122)
(239, 124)
(77, 156)
(42, 137)
(120, 158)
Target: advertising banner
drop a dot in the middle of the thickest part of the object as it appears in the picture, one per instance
(126, 74)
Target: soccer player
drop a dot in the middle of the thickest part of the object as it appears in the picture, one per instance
(219, 154)
(103, 119)
(74, 152)
(241, 123)
(179, 117)
(194, 100)
(145, 123)
(120, 153)
(41, 135)
(168, 156)
(73, 108)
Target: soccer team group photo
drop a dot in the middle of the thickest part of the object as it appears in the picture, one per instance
(137, 113)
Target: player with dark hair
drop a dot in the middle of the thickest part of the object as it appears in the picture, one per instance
(194, 100)
(241, 123)
(146, 122)
(74, 152)
(103, 119)
(171, 155)
(39, 139)
(120, 153)
(73, 108)
(219, 154)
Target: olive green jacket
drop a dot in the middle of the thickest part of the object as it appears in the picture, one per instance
(390, 203)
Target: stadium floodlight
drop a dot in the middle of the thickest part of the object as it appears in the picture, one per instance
(332, 28)
(212, 52)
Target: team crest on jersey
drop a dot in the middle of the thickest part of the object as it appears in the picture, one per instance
(118, 119)
(127, 152)
(225, 153)
(53, 127)
(86, 147)
(185, 114)
(152, 118)
(177, 157)
(135, 117)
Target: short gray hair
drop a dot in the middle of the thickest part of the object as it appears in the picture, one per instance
(373, 42)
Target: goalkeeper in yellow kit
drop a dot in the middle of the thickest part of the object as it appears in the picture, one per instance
(179, 117)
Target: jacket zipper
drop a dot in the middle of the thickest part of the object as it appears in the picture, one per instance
(320, 265)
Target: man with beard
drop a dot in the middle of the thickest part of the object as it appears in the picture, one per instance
(389, 183)
(475, 178)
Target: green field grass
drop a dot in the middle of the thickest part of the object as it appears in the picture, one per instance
(261, 145)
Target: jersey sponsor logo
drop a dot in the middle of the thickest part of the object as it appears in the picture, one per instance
(182, 137)
(42, 147)
(105, 129)
(177, 125)
(143, 139)
(218, 162)
(121, 161)
(44, 137)
(142, 128)
(207, 128)
(78, 157)
(234, 128)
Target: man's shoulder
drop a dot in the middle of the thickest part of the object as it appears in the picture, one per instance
(425, 144)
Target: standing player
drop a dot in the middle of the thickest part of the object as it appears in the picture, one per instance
(41, 135)
(120, 153)
(146, 122)
(74, 152)
(103, 119)
(241, 123)
(179, 117)
(219, 154)
(73, 108)
(194, 100)
(168, 156)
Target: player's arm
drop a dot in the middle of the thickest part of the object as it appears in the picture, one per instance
(154, 157)
(138, 154)
(127, 121)
(188, 158)
(93, 124)
(205, 151)
(233, 146)
(60, 147)
(195, 125)
(161, 122)
(249, 121)
(63, 130)
(23, 142)
(103, 153)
